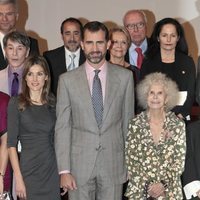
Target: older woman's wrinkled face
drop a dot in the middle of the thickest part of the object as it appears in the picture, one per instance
(119, 45)
(168, 37)
(156, 98)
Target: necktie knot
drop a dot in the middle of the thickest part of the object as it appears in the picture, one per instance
(138, 50)
(15, 75)
(72, 56)
(140, 57)
(96, 71)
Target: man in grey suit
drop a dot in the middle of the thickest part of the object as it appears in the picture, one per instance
(90, 145)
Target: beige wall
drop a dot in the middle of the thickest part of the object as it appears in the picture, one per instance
(42, 18)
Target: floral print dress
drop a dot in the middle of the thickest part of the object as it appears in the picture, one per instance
(150, 162)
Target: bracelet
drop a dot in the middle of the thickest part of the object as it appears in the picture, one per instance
(165, 185)
(2, 175)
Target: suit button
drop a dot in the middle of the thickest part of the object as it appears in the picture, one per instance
(98, 148)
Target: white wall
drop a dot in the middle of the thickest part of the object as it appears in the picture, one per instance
(42, 18)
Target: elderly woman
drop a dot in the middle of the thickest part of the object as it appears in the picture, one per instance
(168, 53)
(155, 146)
(120, 42)
(4, 180)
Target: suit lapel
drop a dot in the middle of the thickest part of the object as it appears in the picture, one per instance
(63, 60)
(82, 57)
(112, 85)
(3, 61)
(85, 95)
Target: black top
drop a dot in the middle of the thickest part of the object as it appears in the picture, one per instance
(182, 71)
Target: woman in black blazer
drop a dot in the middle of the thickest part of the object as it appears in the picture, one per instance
(168, 53)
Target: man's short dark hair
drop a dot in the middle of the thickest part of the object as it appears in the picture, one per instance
(17, 36)
(72, 20)
(95, 26)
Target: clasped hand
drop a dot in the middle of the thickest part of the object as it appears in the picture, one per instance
(156, 190)
(67, 182)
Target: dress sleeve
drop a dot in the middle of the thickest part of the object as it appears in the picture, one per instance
(175, 170)
(132, 147)
(13, 122)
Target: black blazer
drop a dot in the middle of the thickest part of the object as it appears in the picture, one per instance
(192, 162)
(183, 72)
(34, 50)
(57, 64)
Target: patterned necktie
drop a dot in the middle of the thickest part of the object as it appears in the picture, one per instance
(72, 64)
(140, 57)
(97, 98)
(15, 85)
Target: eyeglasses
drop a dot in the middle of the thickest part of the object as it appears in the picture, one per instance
(119, 43)
(139, 25)
(8, 14)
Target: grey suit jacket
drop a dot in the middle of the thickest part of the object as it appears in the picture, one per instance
(78, 138)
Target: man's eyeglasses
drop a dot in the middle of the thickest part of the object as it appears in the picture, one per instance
(139, 25)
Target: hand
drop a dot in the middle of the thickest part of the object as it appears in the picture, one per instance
(180, 116)
(67, 182)
(156, 190)
(198, 193)
(20, 188)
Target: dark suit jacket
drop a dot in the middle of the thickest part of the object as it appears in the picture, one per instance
(57, 64)
(192, 162)
(34, 49)
(198, 82)
(182, 71)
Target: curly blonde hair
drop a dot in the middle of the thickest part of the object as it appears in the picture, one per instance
(170, 88)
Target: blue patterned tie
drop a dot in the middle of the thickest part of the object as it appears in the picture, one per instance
(15, 85)
(72, 64)
(97, 98)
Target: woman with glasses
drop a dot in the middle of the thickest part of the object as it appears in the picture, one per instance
(168, 53)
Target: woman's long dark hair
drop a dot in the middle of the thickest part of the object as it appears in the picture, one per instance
(46, 96)
(154, 45)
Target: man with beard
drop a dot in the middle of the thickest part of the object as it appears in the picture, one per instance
(94, 105)
(70, 55)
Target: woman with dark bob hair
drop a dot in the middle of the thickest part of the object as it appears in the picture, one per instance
(155, 145)
(168, 53)
(31, 119)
